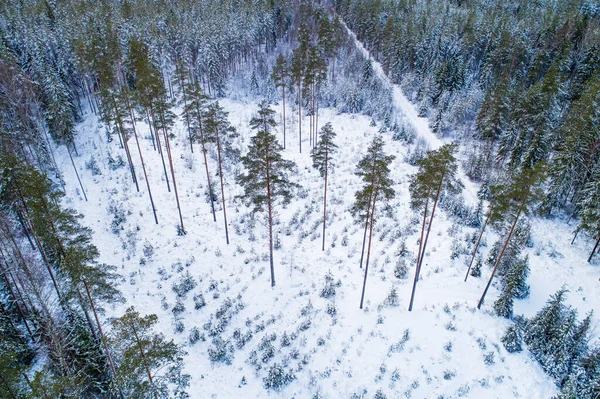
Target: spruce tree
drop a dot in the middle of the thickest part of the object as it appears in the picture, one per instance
(267, 174)
(322, 161)
(374, 169)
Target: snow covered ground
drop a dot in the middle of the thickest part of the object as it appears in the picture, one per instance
(444, 348)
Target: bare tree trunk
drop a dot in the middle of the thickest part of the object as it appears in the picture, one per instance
(168, 146)
(316, 116)
(187, 118)
(76, 173)
(87, 315)
(149, 127)
(25, 229)
(300, 114)
(420, 247)
(594, 250)
(137, 141)
(121, 130)
(203, 143)
(222, 186)
(270, 215)
(161, 155)
(501, 254)
(325, 197)
(575, 236)
(477, 244)
(437, 196)
(362, 296)
(283, 98)
(362, 253)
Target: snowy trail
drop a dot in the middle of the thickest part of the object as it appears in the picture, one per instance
(401, 102)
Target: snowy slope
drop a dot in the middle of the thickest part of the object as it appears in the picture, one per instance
(452, 350)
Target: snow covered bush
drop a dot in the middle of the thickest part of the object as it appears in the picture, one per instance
(221, 351)
(278, 377)
(401, 270)
(185, 284)
(513, 338)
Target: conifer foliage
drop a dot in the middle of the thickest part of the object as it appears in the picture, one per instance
(322, 156)
(437, 173)
(266, 180)
(374, 169)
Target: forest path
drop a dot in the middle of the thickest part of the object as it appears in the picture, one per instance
(401, 102)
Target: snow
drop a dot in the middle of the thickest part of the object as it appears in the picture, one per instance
(356, 351)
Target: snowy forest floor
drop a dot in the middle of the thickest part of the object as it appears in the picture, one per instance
(334, 349)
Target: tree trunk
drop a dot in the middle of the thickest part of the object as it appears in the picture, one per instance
(270, 215)
(121, 130)
(420, 247)
(300, 115)
(325, 198)
(362, 253)
(316, 117)
(102, 337)
(144, 360)
(575, 236)
(187, 118)
(168, 146)
(202, 142)
(500, 256)
(487, 219)
(594, 250)
(422, 255)
(137, 141)
(362, 296)
(25, 229)
(222, 186)
(76, 173)
(283, 99)
(86, 314)
(158, 145)
(149, 127)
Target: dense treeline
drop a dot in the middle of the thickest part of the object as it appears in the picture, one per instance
(519, 80)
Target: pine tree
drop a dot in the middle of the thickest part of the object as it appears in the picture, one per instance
(218, 127)
(374, 169)
(298, 71)
(523, 192)
(322, 161)
(437, 172)
(496, 213)
(266, 180)
(147, 364)
(196, 111)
